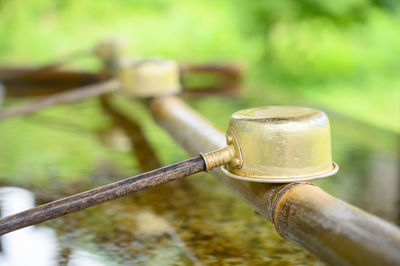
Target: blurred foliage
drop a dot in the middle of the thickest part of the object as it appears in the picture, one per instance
(265, 14)
(341, 55)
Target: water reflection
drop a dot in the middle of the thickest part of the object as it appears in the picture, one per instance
(197, 220)
(188, 222)
(33, 245)
(369, 175)
(28, 246)
(80, 257)
(383, 183)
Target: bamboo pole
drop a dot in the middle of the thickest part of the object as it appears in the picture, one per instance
(77, 94)
(47, 83)
(140, 146)
(332, 230)
(45, 68)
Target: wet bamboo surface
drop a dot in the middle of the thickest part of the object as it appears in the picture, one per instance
(101, 194)
(335, 232)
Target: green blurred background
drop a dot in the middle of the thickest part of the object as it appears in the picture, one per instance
(341, 55)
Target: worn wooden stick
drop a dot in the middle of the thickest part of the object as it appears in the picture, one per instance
(77, 94)
(101, 194)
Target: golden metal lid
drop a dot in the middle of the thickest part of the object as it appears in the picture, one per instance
(149, 78)
(281, 144)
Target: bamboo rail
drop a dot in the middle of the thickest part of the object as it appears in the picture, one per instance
(140, 146)
(45, 83)
(332, 230)
(12, 75)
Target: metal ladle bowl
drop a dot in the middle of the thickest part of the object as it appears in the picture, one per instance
(279, 144)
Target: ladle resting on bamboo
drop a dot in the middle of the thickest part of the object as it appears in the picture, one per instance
(115, 190)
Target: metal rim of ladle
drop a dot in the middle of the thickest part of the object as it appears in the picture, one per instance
(284, 179)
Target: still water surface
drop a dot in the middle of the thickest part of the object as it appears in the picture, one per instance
(197, 220)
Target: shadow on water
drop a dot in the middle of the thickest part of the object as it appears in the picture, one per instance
(196, 220)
